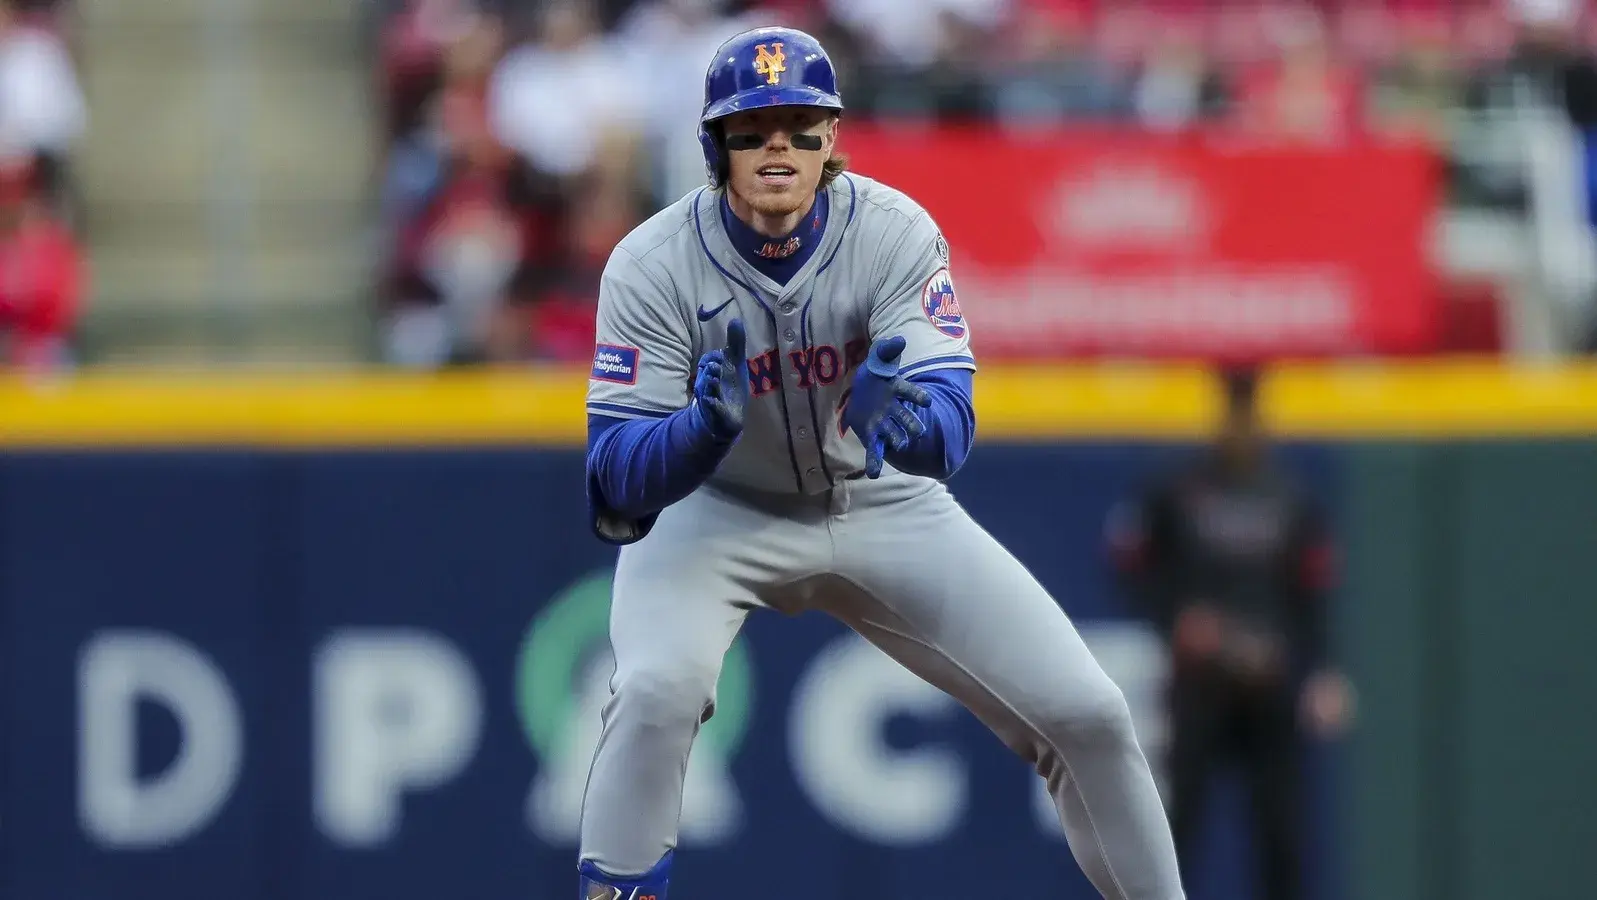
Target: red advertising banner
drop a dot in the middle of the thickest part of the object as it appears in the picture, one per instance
(1069, 243)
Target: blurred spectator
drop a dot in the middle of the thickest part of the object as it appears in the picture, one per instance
(467, 225)
(919, 60)
(461, 266)
(42, 110)
(568, 101)
(1305, 95)
(1362, 34)
(673, 39)
(1233, 564)
(1177, 87)
(41, 277)
(1546, 57)
(415, 36)
(1414, 92)
(507, 188)
(451, 112)
(1050, 71)
(913, 36)
(1242, 33)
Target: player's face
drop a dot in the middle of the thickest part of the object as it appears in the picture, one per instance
(772, 171)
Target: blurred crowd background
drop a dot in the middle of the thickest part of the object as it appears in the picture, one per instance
(528, 110)
(438, 182)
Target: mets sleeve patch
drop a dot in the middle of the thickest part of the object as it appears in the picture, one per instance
(615, 363)
(937, 300)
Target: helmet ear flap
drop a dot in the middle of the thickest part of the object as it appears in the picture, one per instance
(713, 142)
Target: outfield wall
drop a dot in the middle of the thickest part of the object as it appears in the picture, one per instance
(290, 640)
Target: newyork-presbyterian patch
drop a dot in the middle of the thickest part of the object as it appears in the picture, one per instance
(615, 363)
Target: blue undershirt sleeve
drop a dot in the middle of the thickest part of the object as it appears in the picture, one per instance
(637, 467)
(950, 426)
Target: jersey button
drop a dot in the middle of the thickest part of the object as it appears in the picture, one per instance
(788, 334)
(814, 471)
(804, 432)
(787, 307)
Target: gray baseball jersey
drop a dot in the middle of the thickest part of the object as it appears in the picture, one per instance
(672, 286)
(973, 622)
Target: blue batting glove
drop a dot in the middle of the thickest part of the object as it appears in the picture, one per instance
(721, 387)
(877, 412)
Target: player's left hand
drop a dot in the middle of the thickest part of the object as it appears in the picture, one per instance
(876, 411)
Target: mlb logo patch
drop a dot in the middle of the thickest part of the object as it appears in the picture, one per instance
(615, 363)
(937, 300)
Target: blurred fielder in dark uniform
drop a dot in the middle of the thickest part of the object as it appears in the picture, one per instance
(1234, 565)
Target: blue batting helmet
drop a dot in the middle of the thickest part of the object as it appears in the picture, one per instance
(764, 67)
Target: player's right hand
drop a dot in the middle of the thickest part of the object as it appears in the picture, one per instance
(721, 387)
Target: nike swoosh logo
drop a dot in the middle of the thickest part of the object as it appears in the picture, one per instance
(706, 315)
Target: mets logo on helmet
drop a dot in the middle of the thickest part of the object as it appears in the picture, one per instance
(937, 300)
(770, 63)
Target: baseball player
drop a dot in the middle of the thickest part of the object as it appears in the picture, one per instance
(781, 385)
